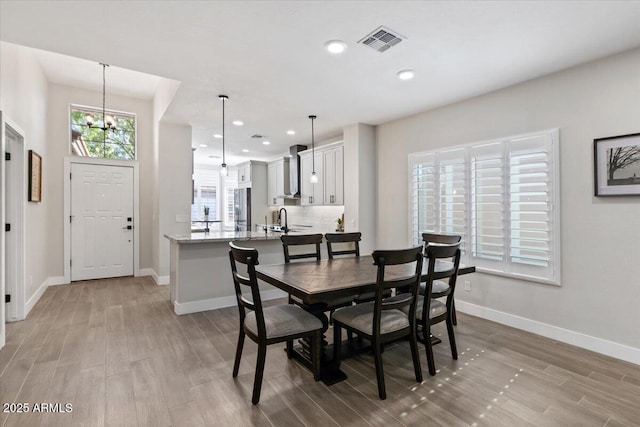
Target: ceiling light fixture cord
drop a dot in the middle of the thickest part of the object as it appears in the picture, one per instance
(314, 177)
(104, 114)
(223, 170)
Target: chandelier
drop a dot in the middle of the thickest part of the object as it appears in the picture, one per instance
(108, 121)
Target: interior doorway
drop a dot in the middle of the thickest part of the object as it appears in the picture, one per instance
(14, 191)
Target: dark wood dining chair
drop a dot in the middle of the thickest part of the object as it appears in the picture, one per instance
(430, 311)
(265, 326)
(385, 319)
(313, 240)
(440, 288)
(337, 238)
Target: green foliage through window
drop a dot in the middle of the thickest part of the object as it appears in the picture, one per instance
(94, 142)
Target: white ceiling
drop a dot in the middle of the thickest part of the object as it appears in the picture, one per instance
(268, 56)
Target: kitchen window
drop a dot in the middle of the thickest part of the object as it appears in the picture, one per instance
(216, 192)
(86, 141)
(501, 196)
(205, 194)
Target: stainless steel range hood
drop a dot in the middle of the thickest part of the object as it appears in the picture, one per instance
(294, 172)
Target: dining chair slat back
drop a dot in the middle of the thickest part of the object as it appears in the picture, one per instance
(301, 240)
(337, 238)
(431, 311)
(440, 288)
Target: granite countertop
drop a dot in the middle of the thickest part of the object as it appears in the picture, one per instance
(228, 236)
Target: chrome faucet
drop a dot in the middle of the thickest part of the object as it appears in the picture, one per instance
(286, 227)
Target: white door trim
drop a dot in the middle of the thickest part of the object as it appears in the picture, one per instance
(20, 288)
(67, 207)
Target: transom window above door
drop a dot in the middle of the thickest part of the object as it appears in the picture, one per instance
(118, 142)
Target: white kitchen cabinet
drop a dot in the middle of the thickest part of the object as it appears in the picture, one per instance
(244, 173)
(277, 181)
(329, 191)
(311, 194)
(333, 162)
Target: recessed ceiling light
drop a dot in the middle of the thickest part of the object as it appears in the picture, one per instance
(406, 74)
(266, 142)
(335, 46)
(291, 132)
(217, 135)
(244, 150)
(203, 145)
(237, 123)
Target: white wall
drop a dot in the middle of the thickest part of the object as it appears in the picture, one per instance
(600, 292)
(164, 94)
(360, 183)
(23, 99)
(174, 188)
(59, 100)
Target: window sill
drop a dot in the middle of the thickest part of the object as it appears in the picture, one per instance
(523, 277)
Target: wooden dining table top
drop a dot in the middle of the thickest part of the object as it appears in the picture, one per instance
(317, 281)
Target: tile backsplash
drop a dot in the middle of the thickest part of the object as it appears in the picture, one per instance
(318, 218)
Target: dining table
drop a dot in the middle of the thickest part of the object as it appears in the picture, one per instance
(315, 282)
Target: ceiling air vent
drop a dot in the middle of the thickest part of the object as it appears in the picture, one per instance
(382, 39)
(256, 136)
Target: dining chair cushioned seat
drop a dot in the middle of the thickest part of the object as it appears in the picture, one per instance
(438, 287)
(283, 320)
(437, 307)
(360, 317)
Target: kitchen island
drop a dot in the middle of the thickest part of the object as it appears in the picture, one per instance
(200, 273)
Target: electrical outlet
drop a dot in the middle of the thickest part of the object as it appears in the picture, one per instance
(467, 285)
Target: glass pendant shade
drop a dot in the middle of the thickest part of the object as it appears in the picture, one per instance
(110, 121)
(223, 170)
(314, 178)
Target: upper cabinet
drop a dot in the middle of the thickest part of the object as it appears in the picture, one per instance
(329, 167)
(334, 176)
(311, 194)
(247, 171)
(277, 181)
(244, 173)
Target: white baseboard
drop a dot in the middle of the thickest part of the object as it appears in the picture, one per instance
(599, 345)
(56, 280)
(49, 281)
(160, 280)
(221, 302)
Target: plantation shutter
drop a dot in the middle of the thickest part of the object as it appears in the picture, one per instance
(533, 235)
(488, 221)
(501, 196)
(423, 187)
(453, 195)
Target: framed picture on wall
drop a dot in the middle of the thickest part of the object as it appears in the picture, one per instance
(617, 165)
(35, 177)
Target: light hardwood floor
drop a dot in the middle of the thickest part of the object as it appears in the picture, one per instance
(117, 353)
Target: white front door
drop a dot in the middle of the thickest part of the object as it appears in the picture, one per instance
(101, 221)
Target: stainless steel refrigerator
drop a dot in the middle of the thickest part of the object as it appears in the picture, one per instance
(242, 209)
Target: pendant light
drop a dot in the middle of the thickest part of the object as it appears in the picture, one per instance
(314, 177)
(108, 121)
(223, 168)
